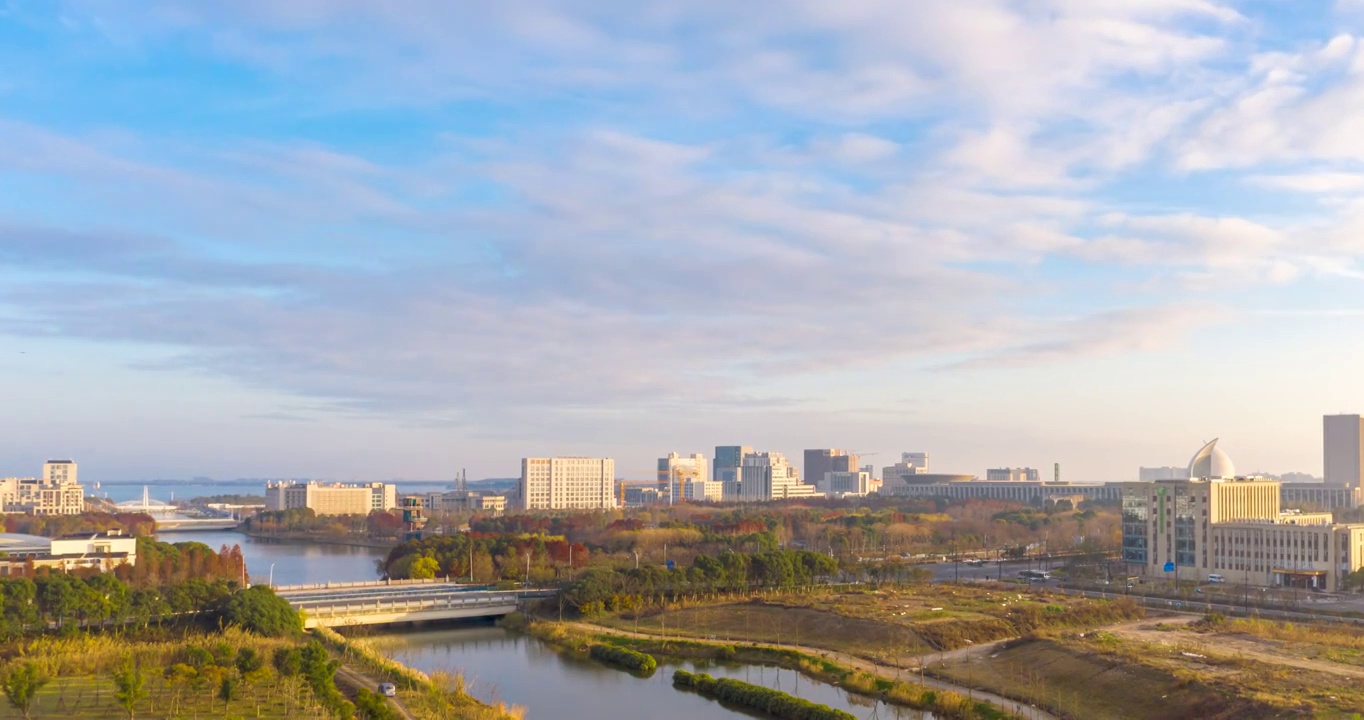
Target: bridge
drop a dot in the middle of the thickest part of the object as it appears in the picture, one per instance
(381, 603)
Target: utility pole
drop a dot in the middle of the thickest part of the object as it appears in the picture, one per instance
(527, 569)
(471, 562)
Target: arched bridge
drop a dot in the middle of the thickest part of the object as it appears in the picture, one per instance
(379, 603)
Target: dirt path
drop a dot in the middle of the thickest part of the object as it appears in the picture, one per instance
(889, 672)
(346, 675)
(1227, 644)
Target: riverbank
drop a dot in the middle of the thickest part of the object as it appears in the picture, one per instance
(945, 699)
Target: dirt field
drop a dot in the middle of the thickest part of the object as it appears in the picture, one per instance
(1162, 669)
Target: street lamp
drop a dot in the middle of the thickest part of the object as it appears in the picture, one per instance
(272, 576)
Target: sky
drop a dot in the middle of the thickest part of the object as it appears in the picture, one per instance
(357, 240)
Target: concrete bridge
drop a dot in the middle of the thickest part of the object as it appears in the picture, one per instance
(381, 603)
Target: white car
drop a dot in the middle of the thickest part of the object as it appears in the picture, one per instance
(388, 690)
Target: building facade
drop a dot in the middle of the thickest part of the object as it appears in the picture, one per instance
(567, 483)
(57, 492)
(1320, 496)
(1343, 450)
(967, 487)
(821, 462)
(768, 476)
(462, 501)
(676, 472)
(331, 498)
(1168, 472)
(1011, 475)
(845, 483)
(101, 552)
(1217, 523)
(728, 460)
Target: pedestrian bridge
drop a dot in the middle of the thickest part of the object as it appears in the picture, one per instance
(381, 603)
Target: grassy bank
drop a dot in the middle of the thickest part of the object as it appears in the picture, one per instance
(179, 677)
(435, 696)
(908, 694)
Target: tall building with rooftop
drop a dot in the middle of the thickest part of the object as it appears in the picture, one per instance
(567, 483)
(768, 476)
(1343, 450)
(821, 462)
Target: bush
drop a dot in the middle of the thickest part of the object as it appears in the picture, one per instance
(757, 697)
(259, 610)
(624, 657)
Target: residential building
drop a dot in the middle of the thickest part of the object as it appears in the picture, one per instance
(331, 498)
(567, 483)
(844, 483)
(821, 462)
(1011, 475)
(57, 492)
(1215, 522)
(1167, 472)
(768, 476)
(1343, 450)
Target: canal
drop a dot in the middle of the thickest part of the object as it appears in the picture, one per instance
(502, 666)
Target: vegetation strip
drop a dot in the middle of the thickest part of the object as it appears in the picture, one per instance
(757, 697)
(624, 657)
(943, 703)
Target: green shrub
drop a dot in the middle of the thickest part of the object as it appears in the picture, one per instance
(624, 657)
(757, 697)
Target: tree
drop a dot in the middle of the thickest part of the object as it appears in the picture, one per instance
(248, 661)
(261, 611)
(424, 568)
(130, 686)
(227, 690)
(21, 685)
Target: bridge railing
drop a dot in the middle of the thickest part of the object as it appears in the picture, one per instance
(362, 584)
(395, 605)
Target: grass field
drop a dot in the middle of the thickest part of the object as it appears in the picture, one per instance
(92, 698)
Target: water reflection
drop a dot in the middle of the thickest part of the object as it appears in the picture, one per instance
(513, 668)
(294, 562)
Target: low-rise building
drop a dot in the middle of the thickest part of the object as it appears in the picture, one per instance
(93, 551)
(331, 498)
(840, 484)
(1216, 523)
(462, 501)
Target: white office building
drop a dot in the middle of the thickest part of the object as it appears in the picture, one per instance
(567, 483)
(686, 478)
(768, 476)
(841, 484)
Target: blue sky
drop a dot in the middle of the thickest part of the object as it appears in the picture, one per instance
(362, 240)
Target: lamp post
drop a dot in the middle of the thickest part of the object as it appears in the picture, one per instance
(528, 570)
(636, 552)
(471, 563)
(272, 576)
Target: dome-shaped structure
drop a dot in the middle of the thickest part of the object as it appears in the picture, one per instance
(1211, 462)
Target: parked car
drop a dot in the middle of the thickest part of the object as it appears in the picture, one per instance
(388, 690)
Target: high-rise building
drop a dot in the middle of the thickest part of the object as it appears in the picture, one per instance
(675, 468)
(768, 476)
(1011, 475)
(728, 460)
(1343, 450)
(821, 462)
(57, 492)
(567, 483)
(331, 498)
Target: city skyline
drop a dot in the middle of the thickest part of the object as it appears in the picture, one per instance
(369, 241)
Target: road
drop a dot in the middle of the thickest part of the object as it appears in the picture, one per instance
(355, 680)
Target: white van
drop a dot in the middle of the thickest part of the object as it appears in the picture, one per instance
(1215, 578)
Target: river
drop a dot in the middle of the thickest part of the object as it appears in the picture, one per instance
(293, 563)
(502, 666)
